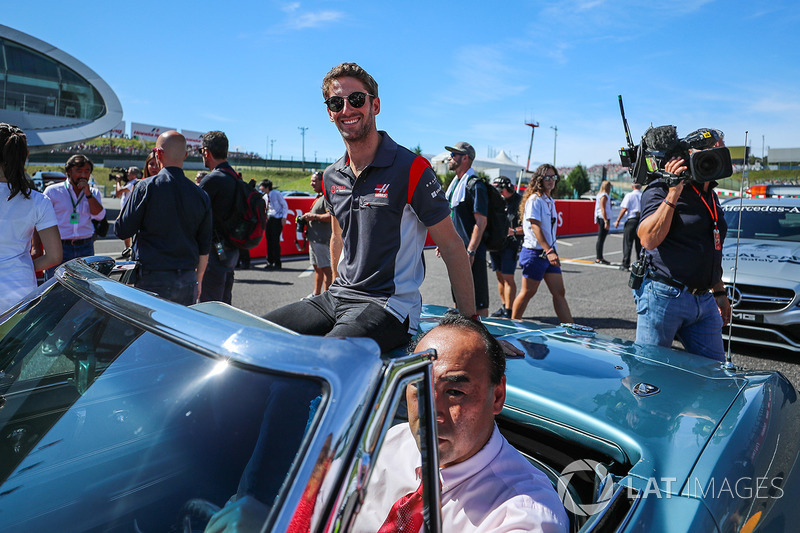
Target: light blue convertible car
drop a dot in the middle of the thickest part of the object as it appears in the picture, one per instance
(122, 412)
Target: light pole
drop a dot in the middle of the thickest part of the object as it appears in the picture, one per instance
(271, 148)
(555, 138)
(533, 126)
(303, 135)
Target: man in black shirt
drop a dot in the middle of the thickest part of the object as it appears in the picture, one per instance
(220, 185)
(171, 219)
(504, 262)
(682, 229)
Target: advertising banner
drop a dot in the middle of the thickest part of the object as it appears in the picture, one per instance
(147, 132)
(193, 138)
(118, 131)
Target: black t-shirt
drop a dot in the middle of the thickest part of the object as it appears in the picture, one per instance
(512, 214)
(688, 254)
(220, 186)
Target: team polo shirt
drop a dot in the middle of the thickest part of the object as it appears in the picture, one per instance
(383, 229)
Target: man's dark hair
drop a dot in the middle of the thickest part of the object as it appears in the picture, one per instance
(497, 358)
(216, 142)
(13, 153)
(78, 160)
(349, 70)
(267, 184)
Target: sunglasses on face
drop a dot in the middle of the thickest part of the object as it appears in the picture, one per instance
(550, 178)
(453, 155)
(355, 99)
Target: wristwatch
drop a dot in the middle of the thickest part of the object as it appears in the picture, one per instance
(471, 253)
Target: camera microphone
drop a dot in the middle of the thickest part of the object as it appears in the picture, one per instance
(662, 139)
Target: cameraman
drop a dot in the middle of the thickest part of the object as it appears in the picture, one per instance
(682, 229)
(124, 187)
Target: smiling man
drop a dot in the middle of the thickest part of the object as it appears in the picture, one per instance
(384, 199)
(487, 485)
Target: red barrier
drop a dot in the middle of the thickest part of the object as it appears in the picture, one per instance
(575, 217)
(297, 206)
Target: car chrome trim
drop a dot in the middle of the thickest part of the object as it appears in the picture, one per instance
(645, 389)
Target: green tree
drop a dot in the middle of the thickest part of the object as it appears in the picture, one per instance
(417, 149)
(578, 179)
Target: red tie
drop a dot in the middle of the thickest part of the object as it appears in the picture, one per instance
(405, 515)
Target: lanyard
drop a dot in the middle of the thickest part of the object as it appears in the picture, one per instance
(80, 197)
(714, 217)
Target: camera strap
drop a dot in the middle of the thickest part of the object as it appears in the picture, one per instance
(714, 217)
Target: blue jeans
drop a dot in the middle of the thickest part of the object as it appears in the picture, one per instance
(71, 252)
(180, 286)
(665, 312)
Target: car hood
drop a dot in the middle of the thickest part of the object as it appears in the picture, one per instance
(773, 259)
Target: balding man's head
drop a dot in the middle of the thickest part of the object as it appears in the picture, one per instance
(171, 149)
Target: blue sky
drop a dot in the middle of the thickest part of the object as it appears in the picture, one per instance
(474, 71)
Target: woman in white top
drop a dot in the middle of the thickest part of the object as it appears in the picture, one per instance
(602, 213)
(22, 210)
(538, 257)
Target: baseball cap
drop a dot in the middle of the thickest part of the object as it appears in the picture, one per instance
(502, 181)
(462, 148)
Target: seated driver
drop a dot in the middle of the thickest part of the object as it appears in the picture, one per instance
(487, 485)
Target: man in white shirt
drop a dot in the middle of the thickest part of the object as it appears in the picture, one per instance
(631, 205)
(277, 211)
(76, 205)
(486, 484)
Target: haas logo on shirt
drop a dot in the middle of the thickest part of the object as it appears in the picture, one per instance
(382, 191)
(335, 188)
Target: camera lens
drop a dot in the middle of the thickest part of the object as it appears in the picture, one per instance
(711, 164)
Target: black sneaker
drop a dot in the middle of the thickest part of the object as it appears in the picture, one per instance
(500, 313)
(507, 313)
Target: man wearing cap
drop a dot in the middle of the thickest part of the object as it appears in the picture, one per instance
(469, 204)
(384, 200)
(504, 262)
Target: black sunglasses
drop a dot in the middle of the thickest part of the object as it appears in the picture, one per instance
(356, 99)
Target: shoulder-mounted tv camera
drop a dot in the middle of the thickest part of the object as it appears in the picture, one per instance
(118, 174)
(646, 160)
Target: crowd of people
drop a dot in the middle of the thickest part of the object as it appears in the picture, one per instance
(367, 229)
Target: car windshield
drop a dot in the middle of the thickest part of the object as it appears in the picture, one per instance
(764, 221)
(107, 427)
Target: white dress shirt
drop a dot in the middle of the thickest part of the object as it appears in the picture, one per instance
(276, 204)
(496, 490)
(632, 201)
(64, 200)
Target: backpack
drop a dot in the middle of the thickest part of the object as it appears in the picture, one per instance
(494, 236)
(244, 227)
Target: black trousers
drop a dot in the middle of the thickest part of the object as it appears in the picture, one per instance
(273, 234)
(602, 233)
(629, 238)
(329, 316)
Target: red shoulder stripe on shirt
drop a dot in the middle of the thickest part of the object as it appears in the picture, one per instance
(415, 174)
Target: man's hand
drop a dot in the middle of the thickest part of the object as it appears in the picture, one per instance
(724, 308)
(676, 166)
(245, 514)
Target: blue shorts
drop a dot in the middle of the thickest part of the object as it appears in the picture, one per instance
(505, 260)
(534, 266)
